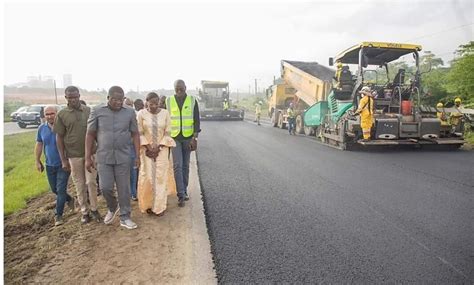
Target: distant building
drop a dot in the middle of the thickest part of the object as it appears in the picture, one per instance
(67, 80)
(40, 82)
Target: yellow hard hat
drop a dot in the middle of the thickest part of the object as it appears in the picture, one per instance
(439, 105)
(457, 100)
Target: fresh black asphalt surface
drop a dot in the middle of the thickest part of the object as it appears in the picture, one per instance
(284, 209)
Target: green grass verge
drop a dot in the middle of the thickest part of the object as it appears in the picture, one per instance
(21, 179)
(470, 138)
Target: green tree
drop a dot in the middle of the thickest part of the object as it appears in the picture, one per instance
(433, 86)
(429, 59)
(460, 80)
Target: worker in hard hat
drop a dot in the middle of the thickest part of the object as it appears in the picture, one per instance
(258, 111)
(456, 116)
(441, 114)
(291, 117)
(366, 111)
(225, 105)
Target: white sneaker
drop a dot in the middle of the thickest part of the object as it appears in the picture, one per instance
(129, 224)
(109, 218)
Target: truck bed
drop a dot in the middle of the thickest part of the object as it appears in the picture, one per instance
(311, 80)
(315, 69)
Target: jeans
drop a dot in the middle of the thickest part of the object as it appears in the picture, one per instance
(57, 179)
(133, 178)
(291, 125)
(181, 156)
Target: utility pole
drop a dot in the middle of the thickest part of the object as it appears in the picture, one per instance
(255, 86)
(55, 93)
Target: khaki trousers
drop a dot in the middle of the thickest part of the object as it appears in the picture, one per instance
(84, 182)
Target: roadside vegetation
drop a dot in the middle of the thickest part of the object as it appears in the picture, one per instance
(248, 103)
(21, 180)
(444, 84)
(9, 107)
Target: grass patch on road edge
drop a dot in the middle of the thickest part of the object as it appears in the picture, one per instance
(21, 180)
(470, 138)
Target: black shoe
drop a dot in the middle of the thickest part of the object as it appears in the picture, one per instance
(181, 202)
(96, 216)
(85, 219)
(186, 197)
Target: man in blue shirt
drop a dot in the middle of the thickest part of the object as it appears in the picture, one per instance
(57, 177)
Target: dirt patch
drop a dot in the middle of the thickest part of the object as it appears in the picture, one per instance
(31, 240)
(163, 249)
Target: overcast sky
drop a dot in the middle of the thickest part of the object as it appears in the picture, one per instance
(151, 44)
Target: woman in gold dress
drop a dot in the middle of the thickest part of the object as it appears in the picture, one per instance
(155, 154)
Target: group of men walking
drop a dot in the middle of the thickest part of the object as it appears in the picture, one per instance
(79, 142)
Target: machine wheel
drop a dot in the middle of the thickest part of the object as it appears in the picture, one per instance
(309, 131)
(281, 125)
(274, 119)
(22, 125)
(299, 125)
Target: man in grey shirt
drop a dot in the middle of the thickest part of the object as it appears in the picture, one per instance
(113, 125)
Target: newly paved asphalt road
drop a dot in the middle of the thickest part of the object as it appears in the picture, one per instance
(281, 208)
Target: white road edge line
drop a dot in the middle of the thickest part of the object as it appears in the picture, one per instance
(203, 266)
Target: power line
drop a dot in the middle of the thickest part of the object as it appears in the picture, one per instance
(443, 31)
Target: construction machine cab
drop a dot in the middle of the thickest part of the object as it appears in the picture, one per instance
(380, 54)
(215, 102)
(213, 93)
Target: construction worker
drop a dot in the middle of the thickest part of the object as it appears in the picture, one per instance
(366, 111)
(441, 114)
(291, 119)
(185, 128)
(225, 105)
(258, 111)
(455, 117)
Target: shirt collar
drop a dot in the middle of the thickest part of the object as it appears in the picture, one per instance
(107, 106)
(81, 108)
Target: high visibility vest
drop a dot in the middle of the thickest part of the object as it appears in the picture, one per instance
(226, 105)
(181, 120)
(290, 113)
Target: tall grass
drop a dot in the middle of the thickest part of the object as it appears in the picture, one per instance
(21, 179)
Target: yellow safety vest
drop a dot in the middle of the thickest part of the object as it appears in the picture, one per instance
(226, 105)
(290, 113)
(181, 120)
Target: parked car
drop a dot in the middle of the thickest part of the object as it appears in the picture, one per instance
(15, 114)
(32, 116)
